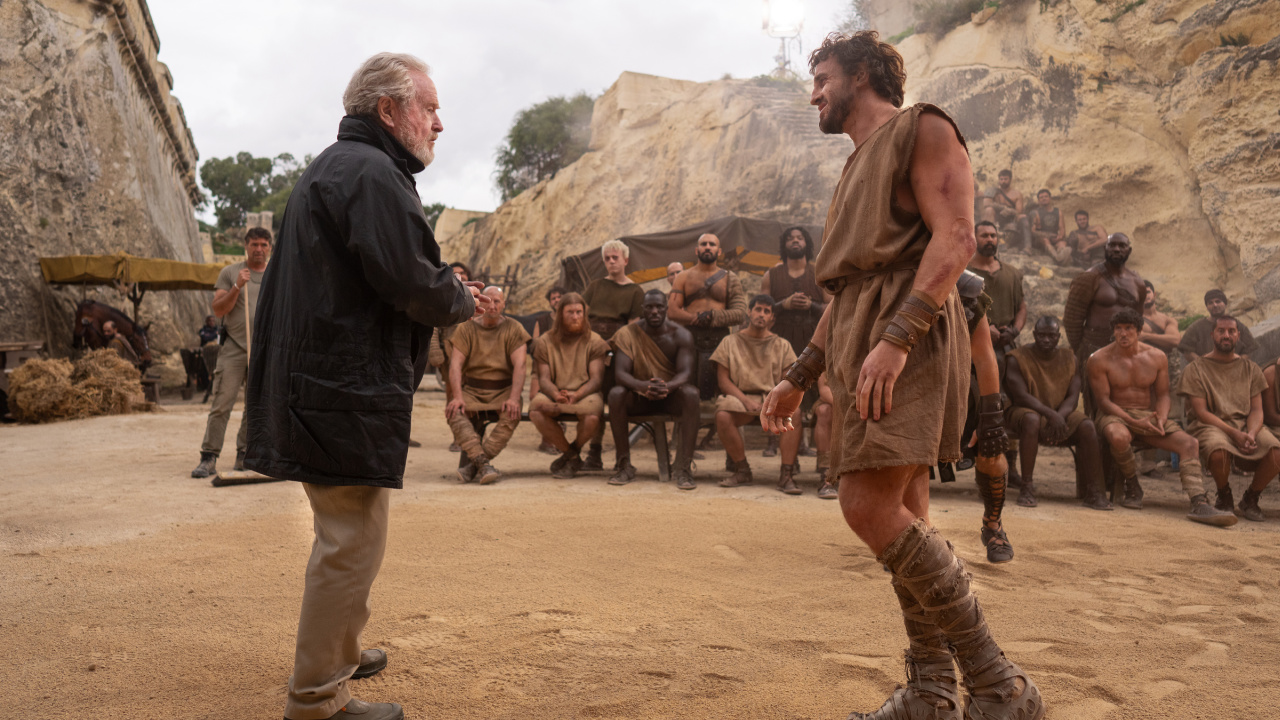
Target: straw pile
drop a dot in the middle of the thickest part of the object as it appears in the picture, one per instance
(100, 383)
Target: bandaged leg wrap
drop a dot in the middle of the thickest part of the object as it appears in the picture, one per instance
(498, 438)
(1127, 462)
(1192, 476)
(465, 435)
(930, 571)
(991, 488)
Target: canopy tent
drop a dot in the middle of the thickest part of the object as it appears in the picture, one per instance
(747, 244)
(137, 274)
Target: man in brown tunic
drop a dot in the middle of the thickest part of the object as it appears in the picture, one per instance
(1086, 241)
(708, 300)
(1130, 382)
(896, 347)
(748, 365)
(1198, 339)
(653, 361)
(486, 372)
(1225, 391)
(570, 361)
(1044, 389)
(1048, 233)
(613, 301)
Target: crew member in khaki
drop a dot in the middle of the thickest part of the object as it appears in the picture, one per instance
(748, 365)
(896, 345)
(237, 284)
(1225, 391)
(486, 372)
(569, 359)
(1044, 389)
(1130, 382)
(709, 301)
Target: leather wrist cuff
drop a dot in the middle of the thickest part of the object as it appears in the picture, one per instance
(912, 322)
(804, 372)
(990, 403)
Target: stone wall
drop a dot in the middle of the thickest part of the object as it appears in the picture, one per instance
(664, 154)
(1143, 118)
(95, 158)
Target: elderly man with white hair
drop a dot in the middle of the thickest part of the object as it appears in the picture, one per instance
(346, 312)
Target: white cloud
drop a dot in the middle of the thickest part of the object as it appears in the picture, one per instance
(267, 77)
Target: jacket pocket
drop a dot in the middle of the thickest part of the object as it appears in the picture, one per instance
(352, 427)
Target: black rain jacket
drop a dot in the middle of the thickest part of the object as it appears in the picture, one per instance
(344, 317)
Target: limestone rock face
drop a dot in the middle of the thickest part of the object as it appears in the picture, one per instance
(1142, 118)
(95, 158)
(664, 154)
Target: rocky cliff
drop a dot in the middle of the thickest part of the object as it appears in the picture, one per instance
(1144, 113)
(663, 154)
(95, 157)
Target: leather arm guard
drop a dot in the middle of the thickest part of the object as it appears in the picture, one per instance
(804, 372)
(912, 321)
(992, 439)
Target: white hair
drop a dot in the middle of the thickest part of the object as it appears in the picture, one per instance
(616, 245)
(383, 75)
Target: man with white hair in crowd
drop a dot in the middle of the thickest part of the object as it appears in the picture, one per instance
(345, 315)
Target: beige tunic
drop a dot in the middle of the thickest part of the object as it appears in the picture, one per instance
(755, 364)
(866, 230)
(647, 359)
(1228, 389)
(569, 363)
(488, 352)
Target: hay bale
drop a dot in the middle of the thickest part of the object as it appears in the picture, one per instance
(106, 384)
(100, 383)
(40, 391)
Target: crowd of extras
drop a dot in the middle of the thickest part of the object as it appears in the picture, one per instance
(620, 353)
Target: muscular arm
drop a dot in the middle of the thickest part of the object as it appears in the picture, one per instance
(622, 373)
(545, 386)
(1161, 387)
(1079, 298)
(675, 300)
(518, 357)
(1101, 387)
(1254, 422)
(225, 300)
(595, 379)
(1168, 337)
(456, 361)
(984, 359)
(1073, 397)
(735, 304)
(1020, 319)
(684, 359)
(942, 185)
(1018, 392)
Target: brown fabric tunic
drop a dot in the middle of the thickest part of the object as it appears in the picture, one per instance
(755, 364)
(1047, 380)
(612, 305)
(488, 352)
(1004, 286)
(647, 359)
(570, 362)
(1228, 389)
(1199, 338)
(866, 230)
(797, 326)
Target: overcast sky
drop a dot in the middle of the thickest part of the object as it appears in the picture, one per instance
(267, 76)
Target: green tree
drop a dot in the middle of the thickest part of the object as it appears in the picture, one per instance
(245, 184)
(432, 212)
(543, 139)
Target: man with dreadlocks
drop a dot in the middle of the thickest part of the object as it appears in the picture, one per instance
(895, 344)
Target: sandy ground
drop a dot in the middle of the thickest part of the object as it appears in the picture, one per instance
(131, 590)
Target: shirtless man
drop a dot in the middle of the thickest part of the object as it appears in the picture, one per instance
(1044, 388)
(1048, 232)
(1130, 382)
(748, 365)
(569, 361)
(898, 236)
(662, 352)
(1005, 206)
(1086, 241)
(709, 301)
(1158, 330)
(1225, 391)
(486, 374)
(1095, 296)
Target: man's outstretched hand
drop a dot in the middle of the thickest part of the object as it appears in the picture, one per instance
(780, 405)
(483, 302)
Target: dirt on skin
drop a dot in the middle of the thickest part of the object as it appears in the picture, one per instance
(131, 590)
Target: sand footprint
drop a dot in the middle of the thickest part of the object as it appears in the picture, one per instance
(1162, 688)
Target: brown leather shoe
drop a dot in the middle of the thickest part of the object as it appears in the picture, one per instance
(372, 662)
(741, 476)
(787, 480)
(361, 710)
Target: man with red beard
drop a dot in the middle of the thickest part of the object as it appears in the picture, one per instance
(895, 344)
(569, 361)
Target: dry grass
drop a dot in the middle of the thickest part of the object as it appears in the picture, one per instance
(100, 383)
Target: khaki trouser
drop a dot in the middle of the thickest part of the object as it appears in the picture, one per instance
(233, 365)
(351, 538)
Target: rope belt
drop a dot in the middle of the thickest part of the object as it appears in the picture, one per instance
(835, 285)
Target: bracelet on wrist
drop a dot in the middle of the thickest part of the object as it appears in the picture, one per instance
(804, 372)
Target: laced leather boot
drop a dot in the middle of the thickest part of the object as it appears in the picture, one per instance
(931, 692)
(927, 567)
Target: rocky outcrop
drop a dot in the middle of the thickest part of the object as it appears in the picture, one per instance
(664, 154)
(1137, 112)
(95, 158)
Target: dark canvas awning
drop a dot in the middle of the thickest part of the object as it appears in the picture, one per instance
(747, 244)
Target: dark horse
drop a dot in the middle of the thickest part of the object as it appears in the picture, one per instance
(90, 315)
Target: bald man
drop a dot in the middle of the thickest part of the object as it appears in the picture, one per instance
(708, 300)
(486, 380)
